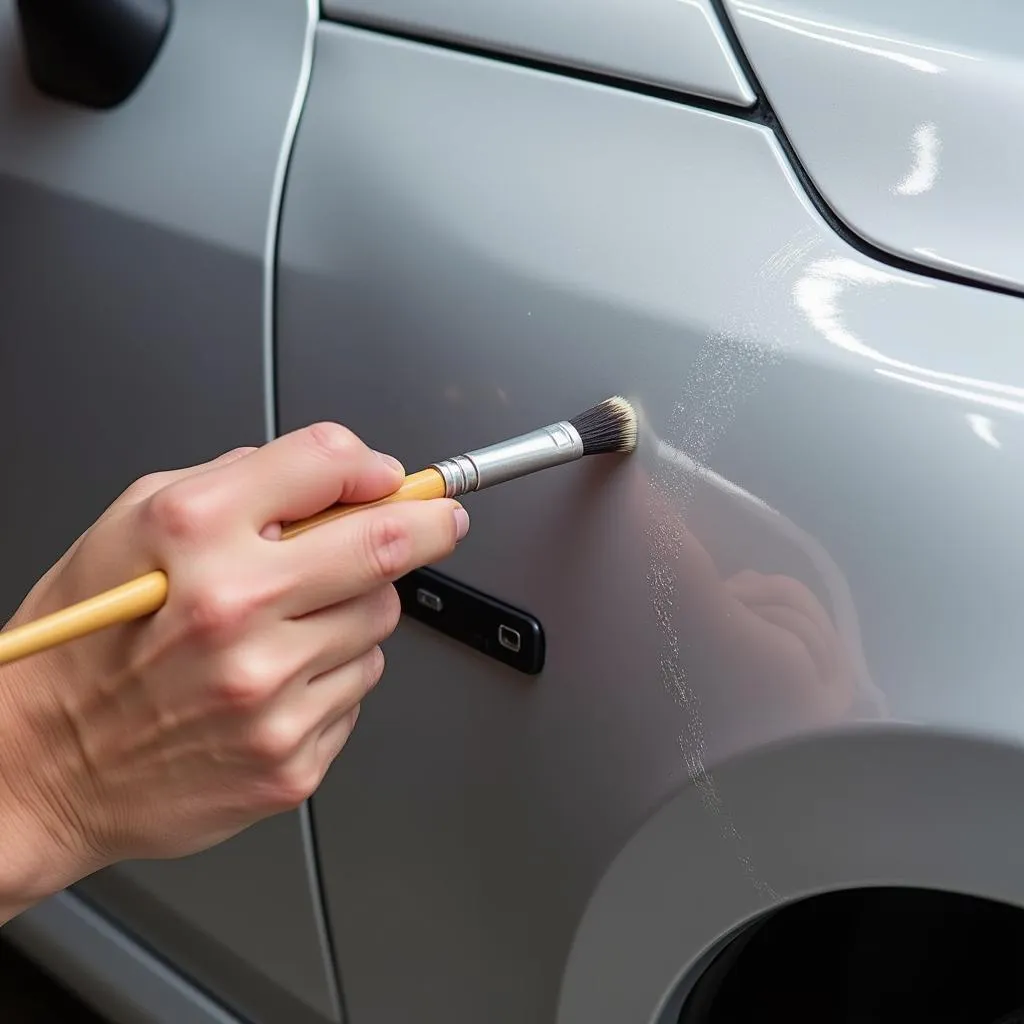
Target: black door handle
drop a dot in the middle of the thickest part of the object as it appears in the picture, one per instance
(92, 52)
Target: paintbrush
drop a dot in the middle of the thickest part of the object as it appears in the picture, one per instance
(606, 428)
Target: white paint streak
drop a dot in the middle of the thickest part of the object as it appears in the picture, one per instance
(925, 148)
(730, 367)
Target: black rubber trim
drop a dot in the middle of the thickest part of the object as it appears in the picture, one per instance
(392, 30)
(760, 113)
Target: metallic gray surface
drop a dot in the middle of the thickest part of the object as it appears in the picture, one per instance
(674, 43)
(544, 448)
(892, 805)
(819, 532)
(907, 117)
(115, 975)
(131, 259)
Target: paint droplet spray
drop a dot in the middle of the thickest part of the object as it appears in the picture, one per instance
(730, 366)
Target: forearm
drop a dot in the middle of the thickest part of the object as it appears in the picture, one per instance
(8, 911)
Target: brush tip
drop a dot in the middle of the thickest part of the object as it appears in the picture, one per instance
(610, 426)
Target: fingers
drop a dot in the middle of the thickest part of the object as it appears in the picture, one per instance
(333, 695)
(326, 713)
(283, 732)
(301, 473)
(332, 740)
(331, 698)
(342, 633)
(354, 555)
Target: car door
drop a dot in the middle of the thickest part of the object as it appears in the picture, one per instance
(133, 256)
(493, 222)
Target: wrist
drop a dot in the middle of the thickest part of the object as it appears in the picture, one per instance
(41, 852)
(32, 864)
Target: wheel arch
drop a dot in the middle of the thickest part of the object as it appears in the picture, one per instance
(869, 806)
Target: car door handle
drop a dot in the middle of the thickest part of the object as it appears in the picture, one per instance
(93, 53)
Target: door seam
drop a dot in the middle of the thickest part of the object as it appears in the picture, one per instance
(270, 419)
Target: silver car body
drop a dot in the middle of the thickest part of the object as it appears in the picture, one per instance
(783, 639)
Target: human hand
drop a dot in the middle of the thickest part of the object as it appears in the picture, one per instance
(167, 735)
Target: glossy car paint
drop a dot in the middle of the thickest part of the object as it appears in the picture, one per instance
(678, 44)
(783, 640)
(131, 256)
(906, 116)
(803, 593)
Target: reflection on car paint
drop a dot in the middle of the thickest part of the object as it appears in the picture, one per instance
(817, 295)
(925, 148)
(839, 35)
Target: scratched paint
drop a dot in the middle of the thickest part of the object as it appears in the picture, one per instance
(731, 365)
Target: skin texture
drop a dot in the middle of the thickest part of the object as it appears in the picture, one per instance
(165, 736)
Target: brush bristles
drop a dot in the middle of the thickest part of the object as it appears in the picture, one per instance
(608, 427)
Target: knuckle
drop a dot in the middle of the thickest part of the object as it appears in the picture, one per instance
(390, 611)
(294, 785)
(244, 682)
(275, 740)
(179, 513)
(144, 487)
(218, 610)
(331, 439)
(237, 453)
(388, 547)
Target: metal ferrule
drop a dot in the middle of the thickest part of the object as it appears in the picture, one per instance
(508, 460)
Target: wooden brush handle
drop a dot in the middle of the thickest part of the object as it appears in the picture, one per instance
(147, 594)
(421, 486)
(141, 596)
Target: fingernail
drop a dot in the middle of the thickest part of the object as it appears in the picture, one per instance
(461, 522)
(392, 462)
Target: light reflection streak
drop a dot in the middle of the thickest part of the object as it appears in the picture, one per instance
(818, 293)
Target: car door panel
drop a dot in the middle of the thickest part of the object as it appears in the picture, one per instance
(470, 249)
